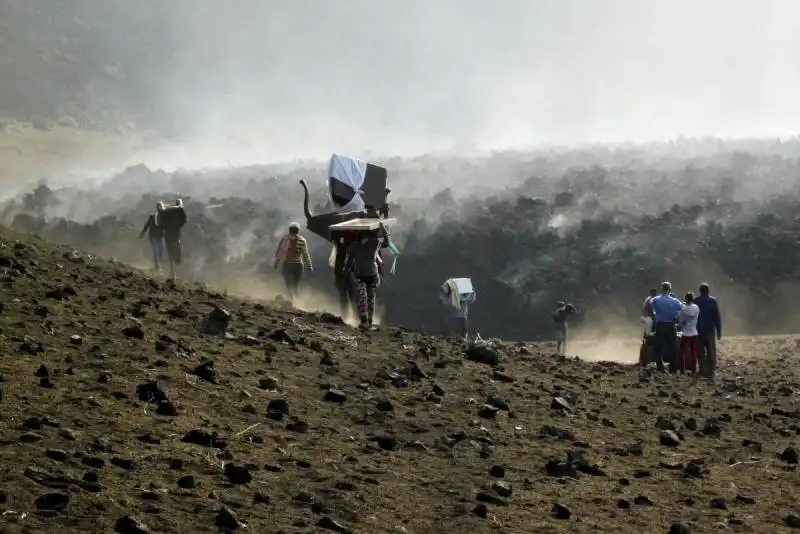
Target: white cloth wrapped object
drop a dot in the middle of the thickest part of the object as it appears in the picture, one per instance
(350, 172)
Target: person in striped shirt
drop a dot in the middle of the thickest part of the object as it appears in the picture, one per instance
(295, 258)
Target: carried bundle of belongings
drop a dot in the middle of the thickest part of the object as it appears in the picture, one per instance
(458, 293)
(172, 217)
(358, 192)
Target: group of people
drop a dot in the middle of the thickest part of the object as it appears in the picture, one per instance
(681, 334)
(359, 264)
(163, 229)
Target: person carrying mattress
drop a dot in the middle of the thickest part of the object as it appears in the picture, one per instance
(458, 294)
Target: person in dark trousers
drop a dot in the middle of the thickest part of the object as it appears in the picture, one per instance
(172, 220)
(648, 319)
(709, 330)
(562, 314)
(666, 308)
(155, 235)
(362, 257)
(293, 253)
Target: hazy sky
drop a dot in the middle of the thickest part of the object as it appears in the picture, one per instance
(305, 77)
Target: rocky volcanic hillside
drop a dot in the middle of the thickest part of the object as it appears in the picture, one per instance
(133, 406)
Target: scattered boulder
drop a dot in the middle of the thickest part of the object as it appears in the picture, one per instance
(669, 438)
(483, 354)
(52, 501)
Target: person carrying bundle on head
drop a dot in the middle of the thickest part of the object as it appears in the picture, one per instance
(172, 220)
(459, 295)
(295, 257)
(362, 261)
(155, 235)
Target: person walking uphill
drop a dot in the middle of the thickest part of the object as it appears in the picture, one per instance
(172, 220)
(452, 296)
(666, 309)
(709, 330)
(690, 346)
(363, 262)
(293, 253)
(155, 235)
(560, 316)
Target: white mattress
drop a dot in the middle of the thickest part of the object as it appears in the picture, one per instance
(362, 224)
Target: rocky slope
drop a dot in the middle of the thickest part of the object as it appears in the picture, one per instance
(133, 406)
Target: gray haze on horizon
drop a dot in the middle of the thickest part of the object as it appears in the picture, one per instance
(497, 74)
(252, 81)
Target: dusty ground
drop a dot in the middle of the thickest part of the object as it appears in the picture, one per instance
(387, 432)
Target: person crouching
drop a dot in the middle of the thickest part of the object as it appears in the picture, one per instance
(690, 341)
(362, 256)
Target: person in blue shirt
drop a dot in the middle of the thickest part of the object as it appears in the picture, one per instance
(709, 330)
(665, 345)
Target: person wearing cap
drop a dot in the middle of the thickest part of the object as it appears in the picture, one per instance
(665, 344)
(155, 235)
(294, 256)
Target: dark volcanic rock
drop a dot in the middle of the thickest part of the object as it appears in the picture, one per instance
(669, 438)
(237, 474)
(790, 455)
(52, 501)
(134, 331)
(334, 395)
(206, 371)
(560, 511)
(130, 525)
(277, 409)
(483, 354)
(204, 439)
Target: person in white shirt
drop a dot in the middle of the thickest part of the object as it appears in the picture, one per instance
(690, 342)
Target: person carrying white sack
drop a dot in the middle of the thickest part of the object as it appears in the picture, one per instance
(459, 294)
